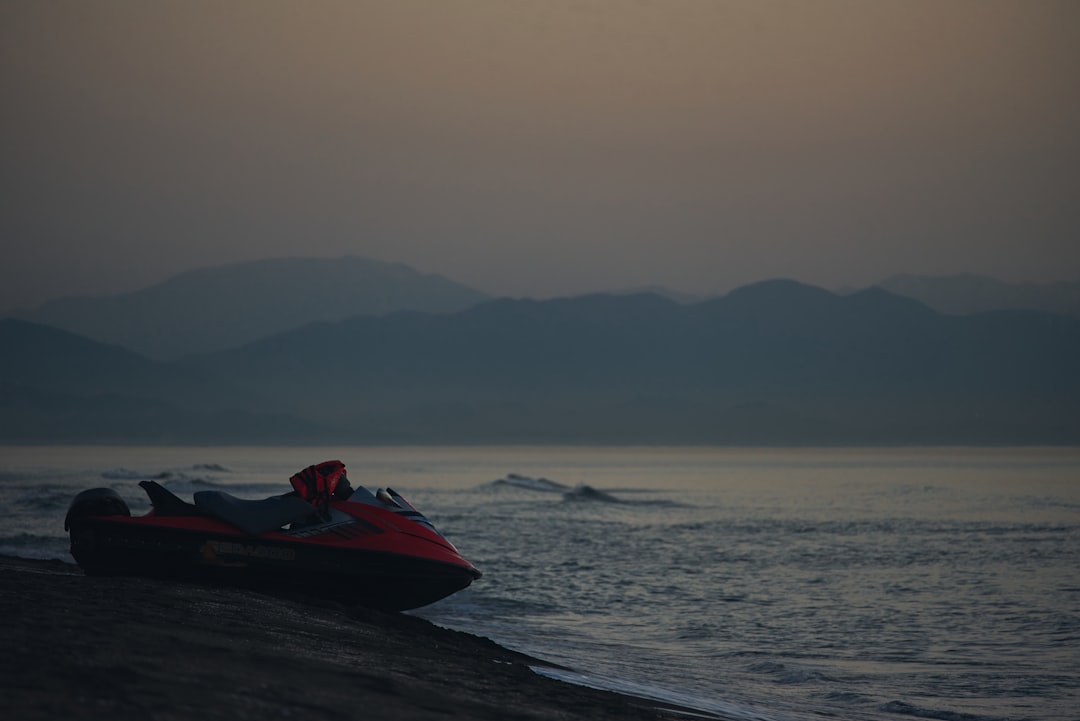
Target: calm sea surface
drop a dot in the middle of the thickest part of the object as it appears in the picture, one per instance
(753, 583)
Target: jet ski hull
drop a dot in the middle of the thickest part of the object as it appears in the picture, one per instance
(363, 557)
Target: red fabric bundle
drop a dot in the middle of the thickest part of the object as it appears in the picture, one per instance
(316, 484)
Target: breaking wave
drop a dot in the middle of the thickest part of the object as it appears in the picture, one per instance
(197, 477)
(907, 709)
(198, 471)
(39, 499)
(580, 492)
(126, 474)
(31, 545)
(528, 483)
(583, 492)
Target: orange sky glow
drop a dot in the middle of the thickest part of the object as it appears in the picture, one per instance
(540, 148)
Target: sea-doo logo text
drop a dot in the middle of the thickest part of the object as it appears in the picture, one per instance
(244, 549)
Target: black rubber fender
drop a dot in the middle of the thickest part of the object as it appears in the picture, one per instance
(95, 502)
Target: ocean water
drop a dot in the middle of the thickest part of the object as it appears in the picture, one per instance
(781, 584)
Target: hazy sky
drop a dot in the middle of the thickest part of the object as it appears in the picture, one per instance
(540, 148)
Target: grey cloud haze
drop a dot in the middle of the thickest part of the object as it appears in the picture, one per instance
(540, 148)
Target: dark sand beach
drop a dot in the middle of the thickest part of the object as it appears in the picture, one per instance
(133, 648)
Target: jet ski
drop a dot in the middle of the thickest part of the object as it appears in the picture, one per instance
(324, 539)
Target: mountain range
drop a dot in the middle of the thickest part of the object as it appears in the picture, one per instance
(225, 306)
(777, 362)
(222, 307)
(967, 294)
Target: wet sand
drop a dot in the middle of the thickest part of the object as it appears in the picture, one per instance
(130, 648)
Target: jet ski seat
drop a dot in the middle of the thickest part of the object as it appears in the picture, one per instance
(254, 517)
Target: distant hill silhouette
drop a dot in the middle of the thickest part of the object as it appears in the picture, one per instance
(662, 291)
(967, 294)
(224, 306)
(57, 387)
(777, 362)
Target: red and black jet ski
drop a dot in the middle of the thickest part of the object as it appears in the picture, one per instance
(324, 539)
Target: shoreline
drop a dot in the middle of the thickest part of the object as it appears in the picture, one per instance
(78, 646)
